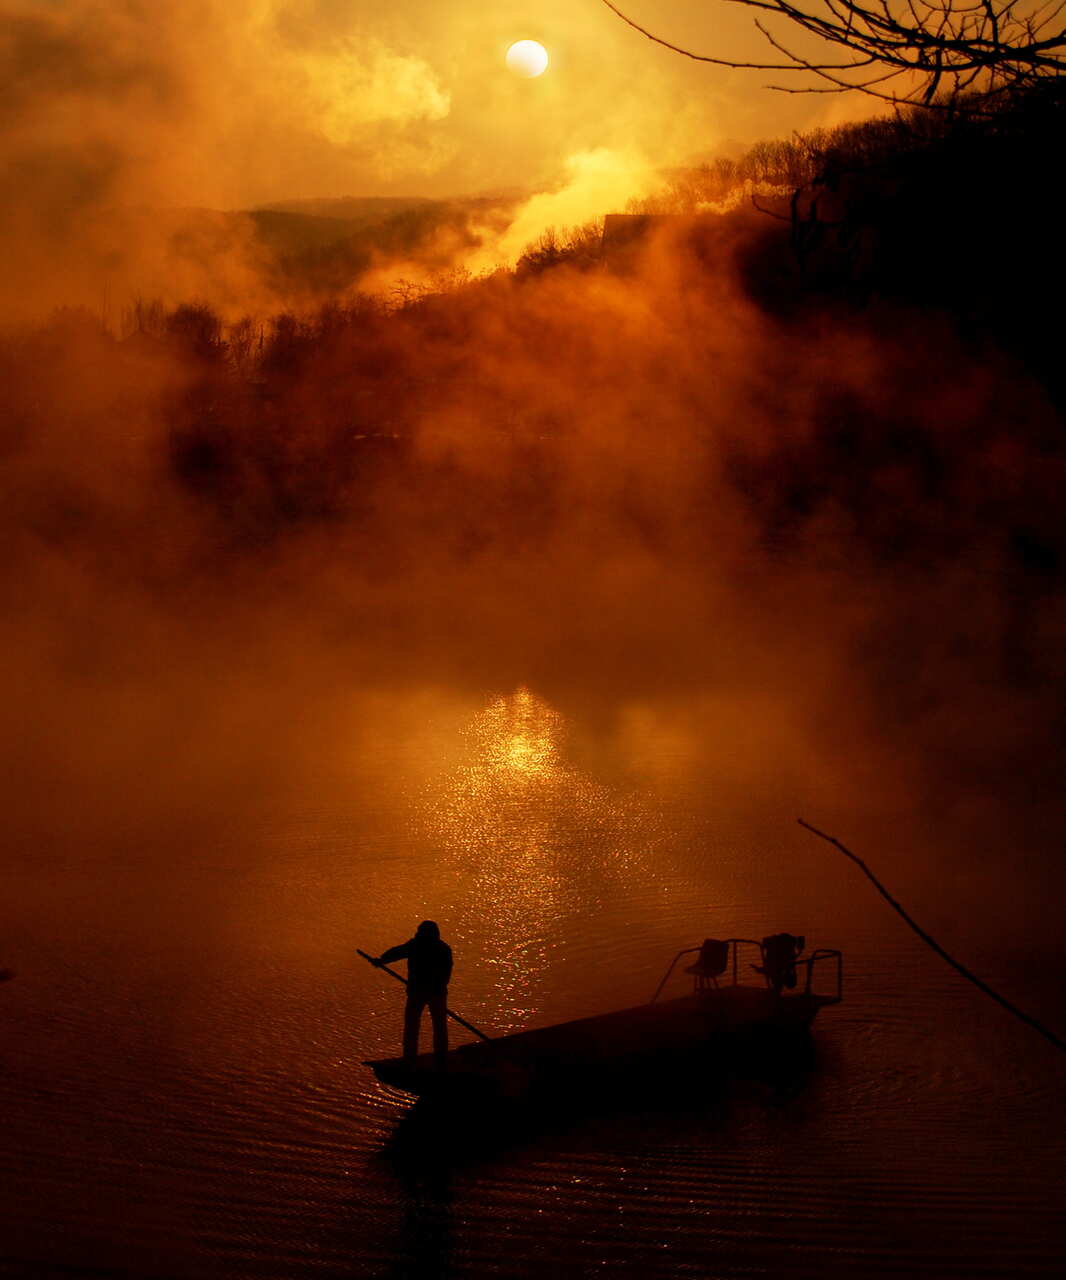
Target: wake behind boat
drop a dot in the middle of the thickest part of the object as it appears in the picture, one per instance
(661, 1033)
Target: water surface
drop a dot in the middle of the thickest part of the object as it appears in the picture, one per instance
(182, 1080)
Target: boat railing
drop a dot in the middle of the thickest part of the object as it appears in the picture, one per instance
(688, 951)
(818, 956)
(821, 956)
(731, 964)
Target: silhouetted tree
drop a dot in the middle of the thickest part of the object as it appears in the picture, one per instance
(576, 246)
(194, 327)
(919, 51)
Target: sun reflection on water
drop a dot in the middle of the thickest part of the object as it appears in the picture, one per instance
(518, 739)
(529, 843)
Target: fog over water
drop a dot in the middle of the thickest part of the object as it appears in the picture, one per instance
(635, 494)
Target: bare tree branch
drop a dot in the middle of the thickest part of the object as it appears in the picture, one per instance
(937, 48)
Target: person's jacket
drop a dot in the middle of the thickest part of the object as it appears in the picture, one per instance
(429, 962)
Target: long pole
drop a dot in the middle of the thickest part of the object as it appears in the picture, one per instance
(399, 978)
(959, 968)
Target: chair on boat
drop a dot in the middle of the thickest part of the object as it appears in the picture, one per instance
(779, 954)
(713, 958)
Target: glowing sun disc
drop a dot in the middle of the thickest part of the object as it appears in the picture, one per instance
(527, 58)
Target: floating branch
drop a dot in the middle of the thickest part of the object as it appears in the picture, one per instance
(1048, 1034)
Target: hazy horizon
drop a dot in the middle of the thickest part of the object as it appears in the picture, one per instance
(113, 107)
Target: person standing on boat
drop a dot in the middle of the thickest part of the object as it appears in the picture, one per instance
(429, 968)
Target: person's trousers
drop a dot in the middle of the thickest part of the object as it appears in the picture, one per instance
(412, 1019)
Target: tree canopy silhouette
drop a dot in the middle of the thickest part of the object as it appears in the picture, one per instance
(917, 51)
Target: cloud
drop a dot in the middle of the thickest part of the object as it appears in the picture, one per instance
(355, 86)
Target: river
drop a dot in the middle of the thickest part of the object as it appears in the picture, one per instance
(182, 1047)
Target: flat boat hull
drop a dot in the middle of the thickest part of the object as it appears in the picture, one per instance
(604, 1046)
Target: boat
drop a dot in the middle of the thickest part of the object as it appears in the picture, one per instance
(719, 1011)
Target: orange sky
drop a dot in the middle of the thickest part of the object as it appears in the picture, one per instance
(226, 103)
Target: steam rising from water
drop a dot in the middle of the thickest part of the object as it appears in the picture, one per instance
(563, 492)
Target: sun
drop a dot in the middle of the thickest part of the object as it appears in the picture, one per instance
(527, 58)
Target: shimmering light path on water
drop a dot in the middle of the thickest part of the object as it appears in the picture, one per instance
(182, 1084)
